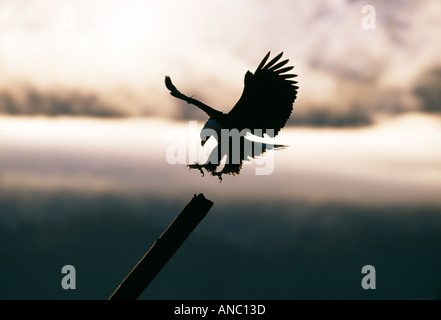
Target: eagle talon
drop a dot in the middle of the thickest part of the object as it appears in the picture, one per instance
(218, 174)
(196, 166)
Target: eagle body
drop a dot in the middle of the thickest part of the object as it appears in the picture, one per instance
(264, 107)
(213, 125)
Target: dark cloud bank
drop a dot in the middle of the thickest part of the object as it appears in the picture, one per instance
(30, 101)
(33, 102)
(290, 250)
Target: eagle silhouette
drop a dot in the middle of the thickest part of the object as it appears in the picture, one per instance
(264, 107)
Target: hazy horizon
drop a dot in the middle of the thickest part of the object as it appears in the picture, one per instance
(396, 160)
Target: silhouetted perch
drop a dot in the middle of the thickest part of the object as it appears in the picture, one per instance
(163, 249)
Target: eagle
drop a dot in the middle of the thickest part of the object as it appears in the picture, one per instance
(264, 108)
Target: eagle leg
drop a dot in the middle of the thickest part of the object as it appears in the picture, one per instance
(196, 166)
(218, 174)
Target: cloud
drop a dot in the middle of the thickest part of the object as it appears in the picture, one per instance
(347, 74)
(32, 102)
(296, 250)
(428, 90)
(325, 117)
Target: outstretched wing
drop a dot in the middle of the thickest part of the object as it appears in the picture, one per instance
(267, 98)
(176, 93)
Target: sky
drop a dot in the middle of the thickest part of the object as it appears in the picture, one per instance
(82, 91)
(386, 163)
(96, 194)
(109, 58)
(89, 137)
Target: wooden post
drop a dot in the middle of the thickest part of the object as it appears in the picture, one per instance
(163, 249)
